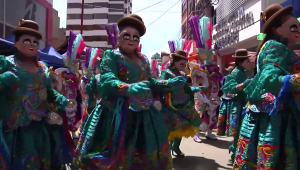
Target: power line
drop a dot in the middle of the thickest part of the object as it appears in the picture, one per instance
(164, 13)
(96, 6)
(149, 6)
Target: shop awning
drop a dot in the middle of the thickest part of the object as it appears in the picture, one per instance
(51, 57)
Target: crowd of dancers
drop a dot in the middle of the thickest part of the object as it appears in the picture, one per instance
(131, 114)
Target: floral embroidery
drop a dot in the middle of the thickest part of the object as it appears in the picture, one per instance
(265, 154)
(142, 101)
(295, 79)
(123, 87)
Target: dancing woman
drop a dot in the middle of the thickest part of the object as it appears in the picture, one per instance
(125, 130)
(179, 111)
(32, 135)
(269, 135)
(231, 109)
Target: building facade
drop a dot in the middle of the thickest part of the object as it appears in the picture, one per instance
(12, 11)
(59, 34)
(190, 8)
(238, 24)
(96, 14)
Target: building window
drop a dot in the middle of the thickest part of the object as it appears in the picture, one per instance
(100, 5)
(191, 6)
(101, 16)
(74, 5)
(73, 16)
(125, 1)
(125, 10)
(88, 5)
(214, 18)
(116, 7)
(183, 29)
(1, 30)
(183, 6)
(114, 18)
(95, 38)
(200, 8)
(85, 27)
(8, 30)
(88, 16)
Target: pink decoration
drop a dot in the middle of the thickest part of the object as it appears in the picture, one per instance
(210, 30)
(80, 48)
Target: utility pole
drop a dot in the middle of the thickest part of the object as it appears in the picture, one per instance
(82, 10)
(187, 19)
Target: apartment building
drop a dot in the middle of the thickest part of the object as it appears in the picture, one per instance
(96, 14)
(12, 11)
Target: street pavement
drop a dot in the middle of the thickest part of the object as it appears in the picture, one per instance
(208, 155)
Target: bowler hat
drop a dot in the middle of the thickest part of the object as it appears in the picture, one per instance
(28, 27)
(179, 53)
(272, 13)
(241, 53)
(133, 20)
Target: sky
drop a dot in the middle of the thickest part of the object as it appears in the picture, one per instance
(166, 28)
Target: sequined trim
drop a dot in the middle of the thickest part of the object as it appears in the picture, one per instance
(295, 79)
(123, 87)
(240, 86)
(229, 96)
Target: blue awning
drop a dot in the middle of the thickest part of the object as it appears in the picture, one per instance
(48, 54)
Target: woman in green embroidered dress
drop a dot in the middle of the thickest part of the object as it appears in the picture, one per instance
(32, 136)
(125, 130)
(269, 135)
(234, 99)
(179, 111)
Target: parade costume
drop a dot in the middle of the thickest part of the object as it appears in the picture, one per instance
(125, 130)
(202, 31)
(32, 135)
(67, 81)
(154, 69)
(199, 77)
(269, 135)
(233, 101)
(165, 63)
(90, 80)
(179, 112)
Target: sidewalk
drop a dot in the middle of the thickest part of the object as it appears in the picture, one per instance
(208, 155)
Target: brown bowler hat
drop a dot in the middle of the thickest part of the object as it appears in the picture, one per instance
(134, 21)
(241, 53)
(271, 14)
(179, 53)
(28, 26)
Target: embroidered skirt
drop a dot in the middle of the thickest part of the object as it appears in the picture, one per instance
(123, 139)
(269, 142)
(230, 117)
(36, 146)
(181, 123)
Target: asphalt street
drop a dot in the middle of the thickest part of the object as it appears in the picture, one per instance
(208, 155)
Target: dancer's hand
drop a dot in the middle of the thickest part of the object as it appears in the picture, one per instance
(8, 79)
(136, 88)
(176, 82)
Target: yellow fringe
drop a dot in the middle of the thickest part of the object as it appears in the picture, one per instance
(186, 132)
